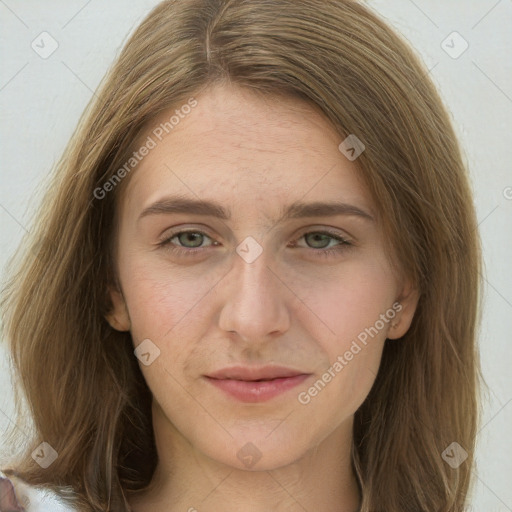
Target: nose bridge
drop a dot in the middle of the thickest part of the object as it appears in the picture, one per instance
(255, 305)
(253, 278)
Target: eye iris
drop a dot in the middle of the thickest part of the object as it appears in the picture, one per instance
(190, 239)
(317, 240)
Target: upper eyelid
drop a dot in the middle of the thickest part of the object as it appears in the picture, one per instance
(170, 232)
(308, 229)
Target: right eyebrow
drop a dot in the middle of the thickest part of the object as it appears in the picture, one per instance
(179, 204)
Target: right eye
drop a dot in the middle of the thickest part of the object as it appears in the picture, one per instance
(186, 241)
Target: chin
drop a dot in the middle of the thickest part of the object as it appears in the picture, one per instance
(257, 450)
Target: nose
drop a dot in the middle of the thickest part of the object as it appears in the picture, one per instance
(254, 301)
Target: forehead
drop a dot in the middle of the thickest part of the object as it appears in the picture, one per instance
(246, 151)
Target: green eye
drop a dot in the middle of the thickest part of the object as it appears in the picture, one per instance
(190, 239)
(318, 240)
(184, 242)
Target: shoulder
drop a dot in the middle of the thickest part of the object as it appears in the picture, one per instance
(17, 496)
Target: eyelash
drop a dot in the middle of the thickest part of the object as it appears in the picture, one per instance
(343, 245)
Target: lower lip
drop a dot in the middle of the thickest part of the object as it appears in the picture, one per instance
(257, 391)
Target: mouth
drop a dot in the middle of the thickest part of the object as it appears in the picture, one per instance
(256, 384)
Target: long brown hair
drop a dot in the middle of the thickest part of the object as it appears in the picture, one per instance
(85, 393)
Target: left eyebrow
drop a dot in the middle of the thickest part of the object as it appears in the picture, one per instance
(297, 210)
(320, 209)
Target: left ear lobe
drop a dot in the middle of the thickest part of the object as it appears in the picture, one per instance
(118, 317)
(408, 300)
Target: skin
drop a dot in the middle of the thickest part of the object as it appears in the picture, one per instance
(292, 306)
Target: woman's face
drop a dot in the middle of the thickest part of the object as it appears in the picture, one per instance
(254, 278)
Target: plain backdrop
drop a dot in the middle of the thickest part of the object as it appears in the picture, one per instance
(41, 100)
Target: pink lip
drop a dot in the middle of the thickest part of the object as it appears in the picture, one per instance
(256, 384)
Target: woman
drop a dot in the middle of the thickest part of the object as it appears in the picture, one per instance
(255, 278)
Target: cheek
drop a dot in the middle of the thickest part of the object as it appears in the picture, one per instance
(347, 301)
(168, 309)
(339, 391)
(162, 301)
(353, 313)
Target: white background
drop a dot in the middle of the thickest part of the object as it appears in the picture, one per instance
(41, 100)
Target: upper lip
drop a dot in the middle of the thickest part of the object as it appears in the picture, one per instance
(250, 373)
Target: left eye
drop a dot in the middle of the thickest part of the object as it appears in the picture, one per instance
(319, 240)
(189, 239)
